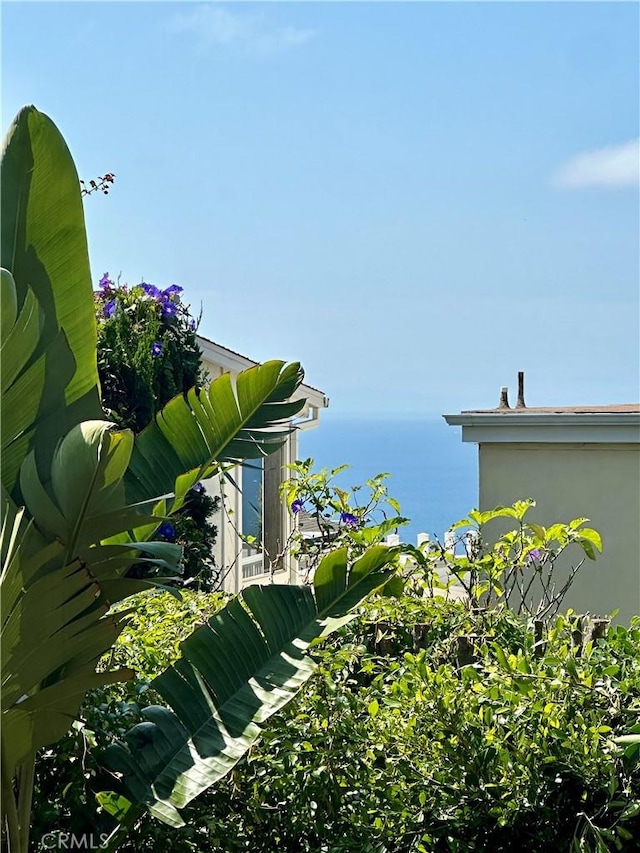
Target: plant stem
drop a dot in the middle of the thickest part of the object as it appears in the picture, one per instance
(9, 809)
(122, 830)
(25, 797)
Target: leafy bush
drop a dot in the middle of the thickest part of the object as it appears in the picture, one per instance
(410, 752)
(355, 518)
(518, 568)
(147, 353)
(147, 349)
(407, 750)
(69, 775)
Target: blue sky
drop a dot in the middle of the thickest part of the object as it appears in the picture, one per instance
(414, 200)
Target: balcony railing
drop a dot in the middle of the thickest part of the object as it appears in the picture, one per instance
(253, 567)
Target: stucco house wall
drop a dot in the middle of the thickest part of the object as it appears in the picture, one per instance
(600, 482)
(574, 462)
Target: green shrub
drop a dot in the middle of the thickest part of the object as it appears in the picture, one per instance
(69, 774)
(408, 751)
(147, 353)
(147, 349)
(429, 726)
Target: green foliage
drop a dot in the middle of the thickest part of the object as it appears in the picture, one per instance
(354, 519)
(407, 751)
(397, 744)
(150, 642)
(148, 353)
(517, 568)
(69, 775)
(196, 533)
(80, 498)
(147, 350)
(234, 672)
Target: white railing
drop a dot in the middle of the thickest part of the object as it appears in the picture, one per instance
(450, 541)
(253, 566)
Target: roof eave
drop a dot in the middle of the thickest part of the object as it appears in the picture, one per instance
(235, 362)
(546, 427)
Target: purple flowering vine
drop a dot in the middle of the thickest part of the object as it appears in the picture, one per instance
(110, 308)
(533, 555)
(169, 291)
(167, 531)
(349, 520)
(161, 295)
(151, 290)
(297, 506)
(156, 348)
(105, 282)
(169, 309)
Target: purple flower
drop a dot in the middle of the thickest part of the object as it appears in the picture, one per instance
(297, 506)
(169, 309)
(110, 308)
(105, 282)
(349, 520)
(533, 555)
(167, 531)
(156, 348)
(198, 488)
(169, 291)
(151, 290)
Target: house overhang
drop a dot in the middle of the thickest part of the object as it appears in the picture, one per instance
(519, 426)
(233, 362)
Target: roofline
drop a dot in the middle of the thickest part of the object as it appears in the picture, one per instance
(548, 427)
(234, 362)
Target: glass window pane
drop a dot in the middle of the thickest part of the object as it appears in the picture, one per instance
(252, 499)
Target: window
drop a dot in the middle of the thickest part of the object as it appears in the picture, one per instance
(252, 499)
(262, 514)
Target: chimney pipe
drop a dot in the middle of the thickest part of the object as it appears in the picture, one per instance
(504, 398)
(521, 404)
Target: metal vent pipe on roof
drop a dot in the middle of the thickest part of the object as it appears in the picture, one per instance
(520, 404)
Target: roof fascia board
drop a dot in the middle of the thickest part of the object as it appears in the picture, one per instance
(543, 428)
(224, 357)
(234, 362)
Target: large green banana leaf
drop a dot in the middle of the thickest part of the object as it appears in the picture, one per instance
(195, 434)
(21, 377)
(80, 499)
(71, 530)
(86, 514)
(237, 670)
(59, 581)
(43, 245)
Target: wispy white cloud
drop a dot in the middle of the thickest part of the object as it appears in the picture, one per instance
(214, 25)
(613, 166)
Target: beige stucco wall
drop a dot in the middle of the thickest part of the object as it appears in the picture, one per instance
(598, 481)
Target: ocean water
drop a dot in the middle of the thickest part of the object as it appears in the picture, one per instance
(434, 476)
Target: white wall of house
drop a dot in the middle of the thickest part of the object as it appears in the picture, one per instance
(574, 464)
(240, 565)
